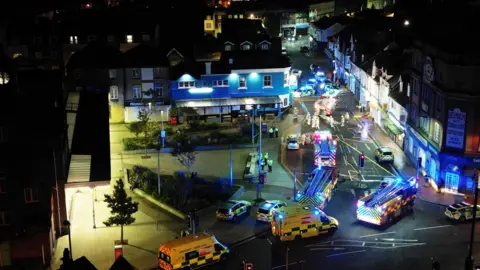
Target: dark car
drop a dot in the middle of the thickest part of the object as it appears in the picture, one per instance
(304, 49)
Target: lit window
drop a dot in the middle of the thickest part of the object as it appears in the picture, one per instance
(221, 83)
(159, 89)
(267, 81)
(242, 82)
(4, 218)
(235, 16)
(240, 16)
(186, 84)
(228, 47)
(112, 73)
(137, 91)
(4, 78)
(265, 46)
(113, 92)
(16, 55)
(31, 195)
(436, 132)
(129, 39)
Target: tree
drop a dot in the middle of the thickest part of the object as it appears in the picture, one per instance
(184, 151)
(121, 207)
(143, 126)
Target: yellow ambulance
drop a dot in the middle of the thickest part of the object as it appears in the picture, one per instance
(297, 222)
(191, 252)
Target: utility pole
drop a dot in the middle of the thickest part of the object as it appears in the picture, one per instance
(419, 164)
(231, 167)
(259, 187)
(57, 191)
(253, 126)
(294, 184)
(158, 167)
(469, 260)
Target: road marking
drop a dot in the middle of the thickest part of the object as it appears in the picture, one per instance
(345, 159)
(334, 248)
(434, 227)
(270, 242)
(366, 145)
(399, 240)
(355, 162)
(345, 253)
(283, 265)
(341, 149)
(370, 235)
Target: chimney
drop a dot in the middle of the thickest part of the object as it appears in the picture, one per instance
(230, 61)
(208, 68)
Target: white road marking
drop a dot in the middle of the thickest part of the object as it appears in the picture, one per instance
(341, 149)
(399, 240)
(281, 266)
(345, 253)
(270, 242)
(345, 159)
(434, 227)
(366, 145)
(334, 248)
(370, 235)
(355, 162)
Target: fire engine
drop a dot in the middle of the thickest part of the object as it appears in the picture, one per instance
(325, 148)
(386, 204)
(319, 187)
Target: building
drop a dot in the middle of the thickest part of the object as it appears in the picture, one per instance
(443, 126)
(321, 9)
(33, 165)
(251, 74)
(322, 30)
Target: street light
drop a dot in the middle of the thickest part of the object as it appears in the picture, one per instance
(406, 23)
(67, 223)
(162, 137)
(469, 259)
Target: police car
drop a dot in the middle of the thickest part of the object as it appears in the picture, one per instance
(233, 209)
(461, 211)
(292, 143)
(266, 211)
(384, 154)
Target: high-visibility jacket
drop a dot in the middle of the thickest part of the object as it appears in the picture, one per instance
(276, 129)
(270, 130)
(270, 162)
(265, 156)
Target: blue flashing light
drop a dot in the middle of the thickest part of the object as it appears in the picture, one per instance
(268, 205)
(322, 86)
(319, 73)
(280, 216)
(399, 179)
(360, 203)
(316, 212)
(312, 80)
(302, 88)
(416, 185)
(298, 195)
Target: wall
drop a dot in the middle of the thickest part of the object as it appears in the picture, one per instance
(397, 111)
(117, 105)
(254, 85)
(131, 113)
(129, 82)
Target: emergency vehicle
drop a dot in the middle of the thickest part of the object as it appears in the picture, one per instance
(325, 148)
(319, 187)
(461, 211)
(268, 208)
(297, 222)
(191, 252)
(386, 204)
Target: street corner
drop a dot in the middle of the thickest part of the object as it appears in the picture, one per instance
(357, 188)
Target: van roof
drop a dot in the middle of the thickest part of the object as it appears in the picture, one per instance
(293, 210)
(175, 243)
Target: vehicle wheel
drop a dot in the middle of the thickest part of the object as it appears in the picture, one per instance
(234, 218)
(298, 237)
(390, 219)
(332, 231)
(462, 219)
(224, 257)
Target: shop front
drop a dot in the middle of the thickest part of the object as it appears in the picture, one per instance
(393, 131)
(458, 172)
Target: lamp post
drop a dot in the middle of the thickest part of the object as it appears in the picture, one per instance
(253, 126)
(259, 158)
(294, 184)
(469, 259)
(67, 223)
(162, 138)
(93, 206)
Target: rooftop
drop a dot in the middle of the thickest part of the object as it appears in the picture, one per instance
(96, 55)
(145, 55)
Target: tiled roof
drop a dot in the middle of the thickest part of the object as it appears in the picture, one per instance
(240, 30)
(144, 55)
(96, 56)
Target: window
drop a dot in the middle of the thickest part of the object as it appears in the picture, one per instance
(146, 37)
(408, 90)
(285, 78)
(393, 105)
(208, 26)
(228, 47)
(242, 82)
(53, 40)
(267, 81)
(222, 83)
(16, 55)
(38, 55)
(135, 73)
(240, 16)
(73, 40)
(31, 195)
(265, 46)
(77, 74)
(285, 102)
(92, 38)
(246, 47)
(164, 257)
(3, 134)
(187, 84)
(129, 39)
(410, 145)
(235, 16)
(416, 86)
(113, 92)
(4, 218)
(414, 112)
(191, 255)
(426, 93)
(436, 132)
(229, 16)
(158, 88)
(158, 72)
(112, 73)
(110, 38)
(425, 124)
(205, 84)
(137, 91)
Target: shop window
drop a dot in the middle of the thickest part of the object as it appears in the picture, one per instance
(436, 132)
(425, 124)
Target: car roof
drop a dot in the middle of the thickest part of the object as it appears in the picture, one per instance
(385, 149)
(229, 204)
(460, 205)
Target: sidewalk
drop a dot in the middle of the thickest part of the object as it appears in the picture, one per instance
(402, 163)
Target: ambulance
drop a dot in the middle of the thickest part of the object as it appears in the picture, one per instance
(297, 222)
(191, 252)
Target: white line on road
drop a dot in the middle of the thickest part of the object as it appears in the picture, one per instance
(345, 159)
(399, 240)
(366, 145)
(270, 242)
(342, 150)
(370, 235)
(281, 266)
(345, 253)
(355, 162)
(334, 248)
(434, 227)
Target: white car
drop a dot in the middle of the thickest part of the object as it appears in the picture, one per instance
(296, 72)
(292, 143)
(384, 154)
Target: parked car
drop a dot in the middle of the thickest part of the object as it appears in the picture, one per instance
(384, 154)
(461, 211)
(304, 49)
(292, 143)
(267, 210)
(233, 209)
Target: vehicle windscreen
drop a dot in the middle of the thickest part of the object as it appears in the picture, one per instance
(387, 153)
(264, 211)
(162, 256)
(292, 141)
(223, 211)
(451, 209)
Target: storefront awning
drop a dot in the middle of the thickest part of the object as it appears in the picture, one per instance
(391, 127)
(228, 102)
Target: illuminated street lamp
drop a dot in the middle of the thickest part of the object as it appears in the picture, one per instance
(406, 23)
(67, 223)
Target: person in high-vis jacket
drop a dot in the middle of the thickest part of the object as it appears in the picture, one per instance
(270, 164)
(262, 163)
(276, 132)
(270, 132)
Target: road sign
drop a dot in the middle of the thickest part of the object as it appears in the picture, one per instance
(118, 251)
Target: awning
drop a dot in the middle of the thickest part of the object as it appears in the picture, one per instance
(199, 103)
(391, 126)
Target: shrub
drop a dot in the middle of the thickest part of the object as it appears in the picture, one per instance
(130, 144)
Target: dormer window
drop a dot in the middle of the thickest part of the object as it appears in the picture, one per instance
(246, 46)
(228, 47)
(264, 45)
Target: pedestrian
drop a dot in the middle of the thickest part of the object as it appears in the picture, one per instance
(276, 132)
(347, 116)
(262, 163)
(270, 164)
(343, 121)
(270, 132)
(265, 156)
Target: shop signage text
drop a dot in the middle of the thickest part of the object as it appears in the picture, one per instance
(455, 128)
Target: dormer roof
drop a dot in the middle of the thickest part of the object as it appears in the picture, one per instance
(265, 41)
(246, 42)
